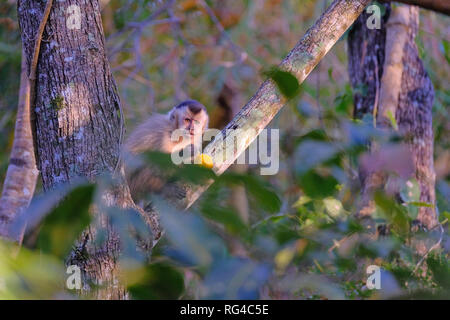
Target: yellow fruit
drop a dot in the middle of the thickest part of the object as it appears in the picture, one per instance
(205, 160)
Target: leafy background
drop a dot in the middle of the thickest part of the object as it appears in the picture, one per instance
(301, 240)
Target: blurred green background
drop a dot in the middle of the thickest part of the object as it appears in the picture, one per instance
(283, 239)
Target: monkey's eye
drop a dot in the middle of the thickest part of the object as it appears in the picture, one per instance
(187, 120)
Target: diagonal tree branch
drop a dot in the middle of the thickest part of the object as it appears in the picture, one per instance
(267, 101)
(442, 6)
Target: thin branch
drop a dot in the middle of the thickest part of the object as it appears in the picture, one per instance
(38, 39)
(138, 26)
(434, 247)
(441, 6)
(33, 65)
(240, 54)
(183, 63)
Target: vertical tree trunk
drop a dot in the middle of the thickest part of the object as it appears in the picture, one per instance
(371, 67)
(77, 117)
(366, 50)
(76, 105)
(414, 114)
(366, 61)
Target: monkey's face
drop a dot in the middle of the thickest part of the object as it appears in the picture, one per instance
(191, 117)
(194, 124)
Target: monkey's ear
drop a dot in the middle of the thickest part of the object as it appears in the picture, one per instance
(206, 124)
(173, 116)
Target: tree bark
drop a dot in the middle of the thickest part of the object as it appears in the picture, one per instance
(365, 63)
(442, 6)
(21, 176)
(76, 104)
(77, 120)
(415, 120)
(387, 64)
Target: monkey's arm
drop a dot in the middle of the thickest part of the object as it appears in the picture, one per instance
(148, 180)
(143, 181)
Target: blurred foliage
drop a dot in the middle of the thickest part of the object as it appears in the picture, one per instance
(301, 240)
(286, 82)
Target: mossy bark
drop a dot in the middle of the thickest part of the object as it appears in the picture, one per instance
(77, 122)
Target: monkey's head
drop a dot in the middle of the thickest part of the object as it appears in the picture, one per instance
(190, 116)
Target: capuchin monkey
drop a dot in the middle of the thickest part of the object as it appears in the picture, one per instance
(155, 134)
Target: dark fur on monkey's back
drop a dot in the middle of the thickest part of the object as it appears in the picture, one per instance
(155, 135)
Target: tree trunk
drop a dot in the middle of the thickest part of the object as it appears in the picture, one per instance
(414, 114)
(76, 105)
(77, 118)
(366, 62)
(373, 64)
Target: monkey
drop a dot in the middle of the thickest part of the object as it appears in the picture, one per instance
(155, 134)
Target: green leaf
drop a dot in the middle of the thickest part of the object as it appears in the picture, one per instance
(235, 279)
(440, 268)
(421, 204)
(29, 274)
(316, 134)
(286, 82)
(264, 196)
(392, 119)
(226, 216)
(394, 213)
(446, 49)
(192, 242)
(344, 101)
(410, 194)
(158, 281)
(317, 185)
(279, 228)
(330, 74)
(63, 225)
